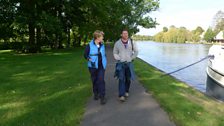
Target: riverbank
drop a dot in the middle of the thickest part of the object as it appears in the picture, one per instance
(185, 105)
(206, 43)
(45, 89)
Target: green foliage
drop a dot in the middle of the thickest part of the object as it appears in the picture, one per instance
(7, 16)
(165, 29)
(218, 22)
(199, 30)
(209, 35)
(195, 34)
(54, 21)
(220, 26)
(159, 37)
(176, 35)
(142, 37)
(18, 46)
(179, 35)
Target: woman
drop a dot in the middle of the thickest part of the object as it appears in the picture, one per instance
(96, 56)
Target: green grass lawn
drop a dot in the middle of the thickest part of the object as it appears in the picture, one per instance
(47, 89)
(185, 105)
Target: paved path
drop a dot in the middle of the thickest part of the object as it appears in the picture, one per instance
(139, 110)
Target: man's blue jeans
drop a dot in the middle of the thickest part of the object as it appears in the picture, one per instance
(124, 84)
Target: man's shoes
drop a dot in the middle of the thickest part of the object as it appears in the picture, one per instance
(103, 101)
(122, 99)
(126, 94)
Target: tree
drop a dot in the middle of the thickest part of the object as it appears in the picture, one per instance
(51, 22)
(142, 37)
(165, 29)
(196, 34)
(209, 35)
(8, 11)
(182, 35)
(173, 34)
(217, 18)
(199, 30)
(159, 37)
(220, 26)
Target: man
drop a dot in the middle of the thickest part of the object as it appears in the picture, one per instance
(125, 51)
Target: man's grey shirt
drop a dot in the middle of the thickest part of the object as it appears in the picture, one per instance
(125, 54)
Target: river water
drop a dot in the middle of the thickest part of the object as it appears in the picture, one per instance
(170, 56)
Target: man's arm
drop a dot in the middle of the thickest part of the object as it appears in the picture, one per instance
(116, 52)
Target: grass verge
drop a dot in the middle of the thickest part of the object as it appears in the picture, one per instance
(185, 105)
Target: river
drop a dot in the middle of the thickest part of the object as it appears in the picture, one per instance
(171, 56)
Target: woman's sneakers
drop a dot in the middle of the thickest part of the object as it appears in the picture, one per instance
(96, 97)
(103, 101)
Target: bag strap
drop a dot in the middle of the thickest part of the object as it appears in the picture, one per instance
(132, 45)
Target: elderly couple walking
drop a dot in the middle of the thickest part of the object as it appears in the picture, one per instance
(125, 51)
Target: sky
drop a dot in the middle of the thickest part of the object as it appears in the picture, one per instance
(186, 13)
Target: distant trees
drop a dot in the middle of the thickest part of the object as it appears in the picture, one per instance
(196, 34)
(165, 29)
(142, 37)
(218, 22)
(209, 35)
(181, 35)
(173, 34)
(220, 26)
(66, 23)
(217, 26)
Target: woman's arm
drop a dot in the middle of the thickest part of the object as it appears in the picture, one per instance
(86, 52)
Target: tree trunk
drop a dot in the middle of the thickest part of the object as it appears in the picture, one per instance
(60, 46)
(31, 33)
(85, 39)
(59, 35)
(38, 39)
(31, 48)
(75, 40)
(79, 41)
(56, 43)
(68, 38)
